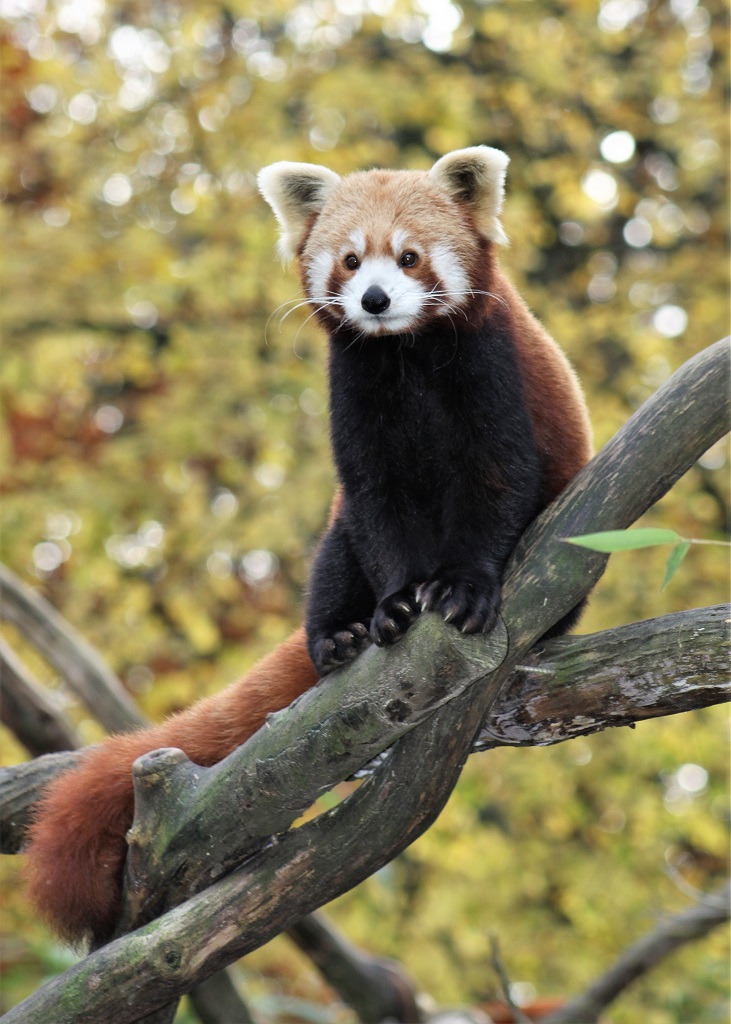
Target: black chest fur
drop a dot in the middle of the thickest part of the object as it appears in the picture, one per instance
(419, 423)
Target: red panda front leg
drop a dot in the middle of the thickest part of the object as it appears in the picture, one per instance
(340, 603)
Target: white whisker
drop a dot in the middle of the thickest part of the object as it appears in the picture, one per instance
(443, 301)
(324, 299)
(441, 304)
(320, 302)
(324, 305)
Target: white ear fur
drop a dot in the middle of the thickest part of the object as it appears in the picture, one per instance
(476, 177)
(295, 192)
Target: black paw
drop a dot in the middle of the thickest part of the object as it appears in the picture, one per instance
(469, 601)
(330, 652)
(393, 616)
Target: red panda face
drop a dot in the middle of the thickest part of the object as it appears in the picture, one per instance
(390, 252)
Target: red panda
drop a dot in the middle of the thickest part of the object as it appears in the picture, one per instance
(455, 420)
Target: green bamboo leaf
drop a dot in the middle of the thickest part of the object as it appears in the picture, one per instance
(676, 557)
(609, 541)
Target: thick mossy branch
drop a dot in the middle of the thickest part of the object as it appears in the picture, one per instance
(310, 865)
(194, 824)
(568, 687)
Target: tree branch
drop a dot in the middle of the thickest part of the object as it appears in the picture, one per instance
(188, 822)
(312, 864)
(672, 933)
(375, 987)
(289, 764)
(216, 1001)
(28, 711)
(20, 787)
(576, 685)
(78, 663)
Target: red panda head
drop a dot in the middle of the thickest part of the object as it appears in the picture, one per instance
(387, 252)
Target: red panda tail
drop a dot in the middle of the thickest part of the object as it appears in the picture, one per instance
(500, 1013)
(77, 844)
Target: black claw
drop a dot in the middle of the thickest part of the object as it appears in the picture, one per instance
(478, 623)
(393, 616)
(468, 601)
(385, 632)
(340, 648)
(432, 594)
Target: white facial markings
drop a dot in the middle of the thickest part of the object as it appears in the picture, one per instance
(398, 242)
(406, 296)
(357, 238)
(452, 275)
(410, 299)
(318, 274)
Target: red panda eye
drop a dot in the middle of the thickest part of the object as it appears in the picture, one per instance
(352, 262)
(409, 259)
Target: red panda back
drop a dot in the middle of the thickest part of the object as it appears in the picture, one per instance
(552, 391)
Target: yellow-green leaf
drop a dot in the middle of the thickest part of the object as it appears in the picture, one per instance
(676, 557)
(609, 541)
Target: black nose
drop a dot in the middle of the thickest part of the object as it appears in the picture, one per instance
(375, 300)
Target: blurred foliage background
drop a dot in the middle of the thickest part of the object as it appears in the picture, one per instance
(165, 454)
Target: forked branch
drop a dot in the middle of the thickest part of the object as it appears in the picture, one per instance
(310, 865)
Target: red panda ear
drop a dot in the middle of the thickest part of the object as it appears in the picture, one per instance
(475, 177)
(295, 192)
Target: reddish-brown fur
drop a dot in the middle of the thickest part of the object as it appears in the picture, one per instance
(376, 201)
(501, 1013)
(552, 393)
